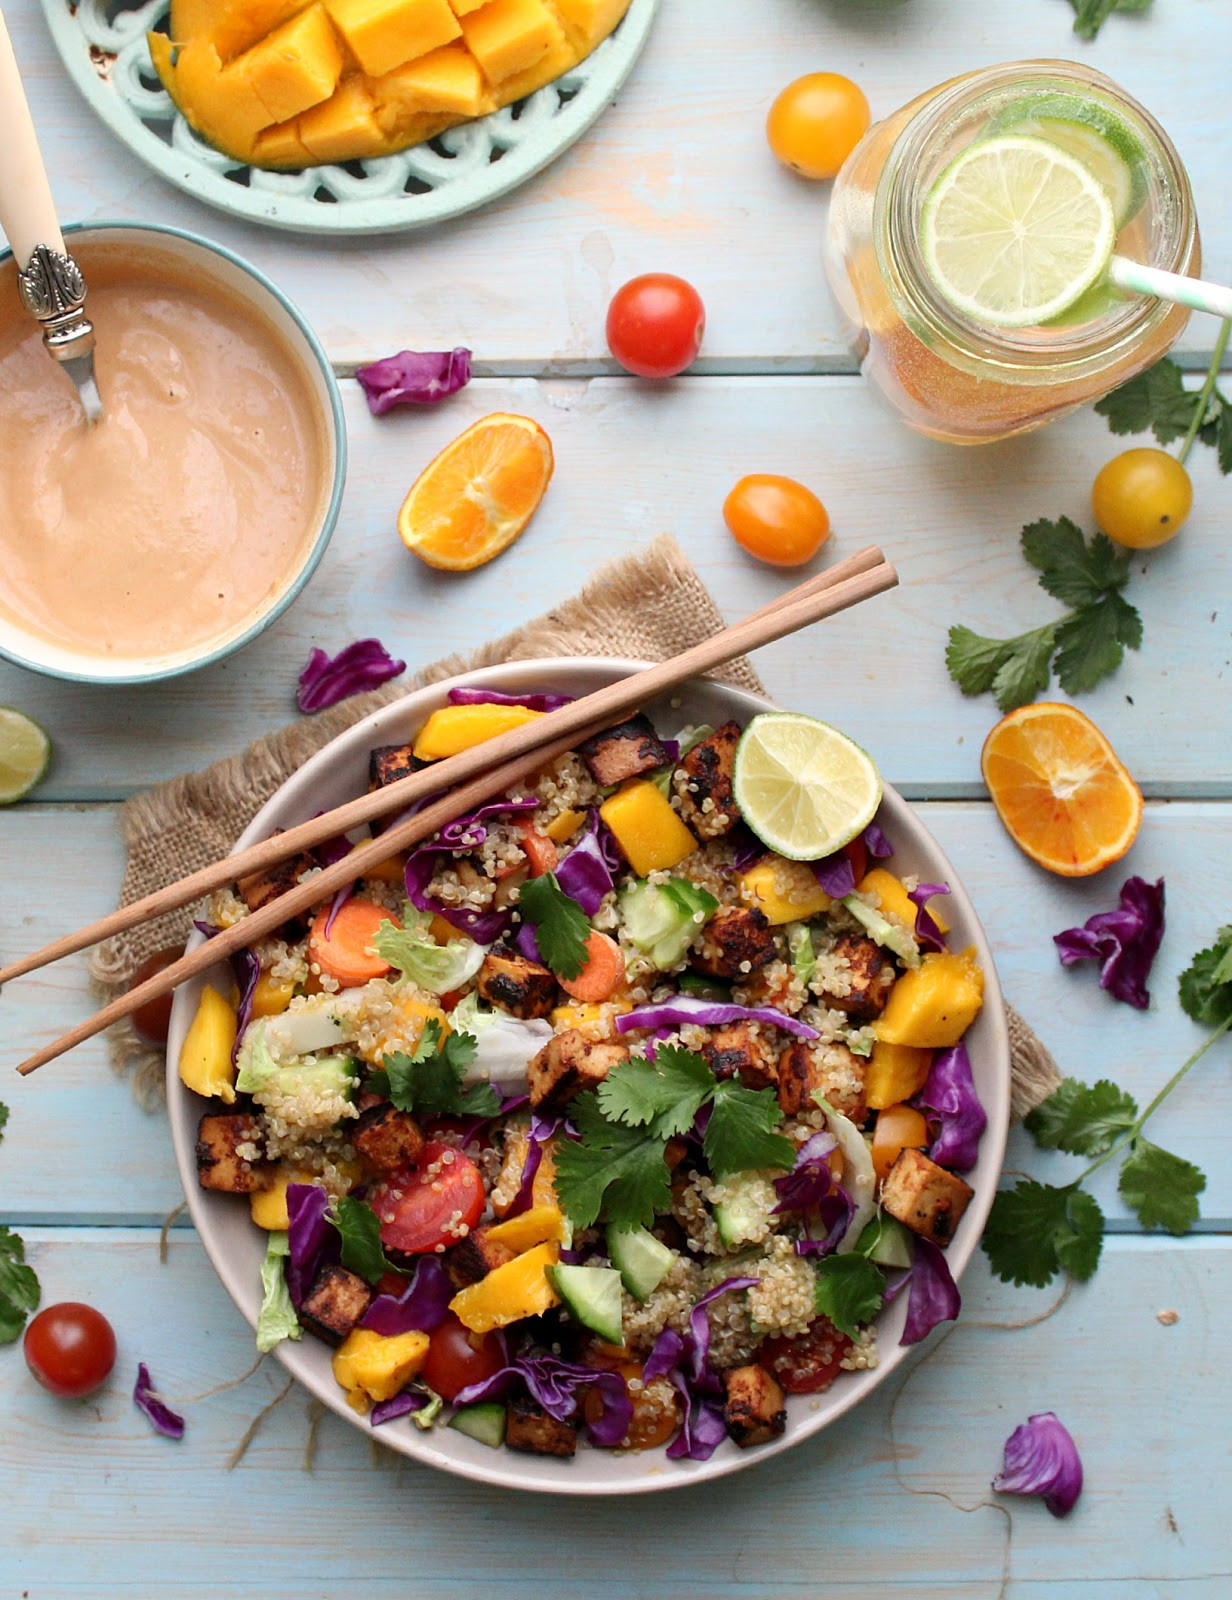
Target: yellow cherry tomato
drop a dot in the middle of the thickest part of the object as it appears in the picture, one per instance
(1142, 498)
(816, 123)
(776, 519)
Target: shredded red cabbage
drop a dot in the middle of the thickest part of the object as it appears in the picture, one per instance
(747, 846)
(934, 1295)
(835, 1212)
(325, 680)
(837, 875)
(1042, 1458)
(683, 1009)
(167, 1422)
(541, 1130)
(247, 971)
(704, 1428)
(1125, 941)
(927, 934)
(311, 1240)
(414, 378)
(698, 1343)
(585, 874)
(464, 833)
(422, 1306)
(493, 697)
(949, 1097)
(400, 1406)
(811, 1179)
(876, 843)
(555, 1384)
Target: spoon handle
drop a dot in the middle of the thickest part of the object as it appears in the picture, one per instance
(27, 214)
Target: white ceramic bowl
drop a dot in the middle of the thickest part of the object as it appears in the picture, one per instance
(210, 262)
(236, 1247)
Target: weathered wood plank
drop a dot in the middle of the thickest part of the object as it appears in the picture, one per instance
(96, 1503)
(675, 177)
(77, 1149)
(632, 462)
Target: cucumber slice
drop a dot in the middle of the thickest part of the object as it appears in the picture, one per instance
(886, 1242)
(593, 1296)
(890, 935)
(484, 1422)
(703, 988)
(745, 1218)
(642, 1260)
(661, 918)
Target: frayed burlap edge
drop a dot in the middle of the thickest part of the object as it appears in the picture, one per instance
(1033, 1072)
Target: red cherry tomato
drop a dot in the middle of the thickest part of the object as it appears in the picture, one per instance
(655, 325)
(776, 519)
(811, 1361)
(70, 1348)
(153, 1019)
(457, 1358)
(427, 1204)
(857, 853)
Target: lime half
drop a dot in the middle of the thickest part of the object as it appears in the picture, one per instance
(1014, 231)
(1104, 143)
(803, 787)
(25, 751)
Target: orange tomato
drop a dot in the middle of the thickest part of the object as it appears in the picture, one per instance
(816, 123)
(1142, 498)
(776, 519)
(897, 1128)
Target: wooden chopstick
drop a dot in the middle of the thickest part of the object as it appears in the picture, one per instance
(793, 611)
(442, 775)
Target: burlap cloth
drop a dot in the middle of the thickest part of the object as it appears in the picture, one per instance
(650, 605)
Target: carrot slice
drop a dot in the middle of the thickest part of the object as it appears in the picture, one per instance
(603, 973)
(347, 953)
(540, 851)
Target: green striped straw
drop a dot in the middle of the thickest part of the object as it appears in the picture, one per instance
(1182, 291)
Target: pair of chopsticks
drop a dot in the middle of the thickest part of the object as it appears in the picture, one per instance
(471, 778)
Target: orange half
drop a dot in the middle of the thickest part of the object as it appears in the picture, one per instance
(1060, 789)
(473, 500)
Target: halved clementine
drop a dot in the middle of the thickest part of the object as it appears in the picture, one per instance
(473, 500)
(1060, 790)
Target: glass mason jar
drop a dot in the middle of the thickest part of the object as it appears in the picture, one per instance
(947, 375)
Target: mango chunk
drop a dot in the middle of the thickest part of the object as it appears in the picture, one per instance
(382, 34)
(518, 1289)
(232, 25)
(648, 831)
(272, 996)
(588, 21)
(454, 728)
(344, 128)
(784, 891)
(296, 66)
(557, 60)
(895, 1072)
(447, 79)
(205, 1056)
(371, 1366)
(541, 1224)
(894, 899)
(565, 826)
(463, 8)
(510, 36)
(222, 108)
(269, 1206)
(932, 1006)
(281, 146)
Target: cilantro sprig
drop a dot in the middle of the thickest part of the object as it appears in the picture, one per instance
(430, 1081)
(1158, 400)
(1036, 1230)
(617, 1167)
(1090, 15)
(19, 1285)
(1082, 647)
(561, 926)
(849, 1290)
(360, 1230)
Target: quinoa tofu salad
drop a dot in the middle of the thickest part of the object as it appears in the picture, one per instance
(608, 1113)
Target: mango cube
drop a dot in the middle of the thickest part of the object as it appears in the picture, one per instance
(565, 826)
(447, 79)
(269, 1206)
(382, 34)
(588, 21)
(895, 1072)
(555, 61)
(892, 893)
(648, 831)
(463, 8)
(281, 146)
(539, 1225)
(223, 108)
(371, 1366)
(455, 728)
(510, 36)
(509, 1293)
(206, 1066)
(932, 1006)
(783, 891)
(296, 66)
(272, 996)
(344, 128)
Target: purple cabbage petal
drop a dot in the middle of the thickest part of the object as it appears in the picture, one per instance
(928, 935)
(671, 749)
(1042, 1458)
(247, 971)
(400, 1406)
(949, 1097)
(1125, 941)
(541, 1130)
(747, 846)
(336, 905)
(207, 928)
(527, 943)
(698, 1345)
(325, 680)
(876, 843)
(667, 1353)
(421, 1307)
(836, 1211)
(414, 378)
(811, 1179)
(934, 1295)
(493, 697)
(464, 833)
(311, 1240)
(554, 1384)
(165, 1421)
(584, 874)
(708, 1014)
(704, 1429)
(835, 874)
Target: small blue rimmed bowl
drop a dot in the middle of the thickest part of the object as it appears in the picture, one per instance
(214, 264)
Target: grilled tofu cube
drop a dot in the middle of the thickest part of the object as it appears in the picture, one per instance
(807, 1069)
(925, 1197)
(872, 976)
(390, 762)
(740, 1050)
(335, 1304)
(625, 751)
(568, 1064)
(523, 988)
(754, 1408)
(529, 1428)
(388, 1140)
(738, 940)
(228, 1154)
(259, 888)
(474, 1258)
(703, 780)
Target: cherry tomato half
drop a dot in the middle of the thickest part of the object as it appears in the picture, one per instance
(776, 519)
(1141, 498)
(817, 122)
(426, 1205)
(811, 1361)
(655, 325)
(458, 1358)
(153, 1019)
(70, 1348)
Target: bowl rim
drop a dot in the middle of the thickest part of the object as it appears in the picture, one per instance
(329, 518)
(528, 1473)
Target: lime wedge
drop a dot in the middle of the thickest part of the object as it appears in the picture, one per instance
(1104, 143)
(25, 751)
(1014, 231)
(803, 787)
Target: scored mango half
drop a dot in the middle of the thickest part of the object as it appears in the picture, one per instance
(284, 83)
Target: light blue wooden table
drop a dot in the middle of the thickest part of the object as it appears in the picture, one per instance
(675, 177)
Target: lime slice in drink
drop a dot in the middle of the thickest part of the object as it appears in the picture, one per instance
(1014, 231)
(1104, 143)
(25, 751)
(804, 788)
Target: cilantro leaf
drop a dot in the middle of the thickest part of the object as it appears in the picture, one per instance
(1016, 670)
(19, 1287)
(1156, 399)
(1090, 15)
(1085, 1119)
(666, 1093)
(1223, 436)
(611, 1169)
(1206, 983)
(1036, 1229)
(4, 1117)
(849, 1291)
(430, 1081)
(1091, 641)
(1071, 570)
(561, 926)
(1162, 1188)
(360, 1229)
(739, 1136)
